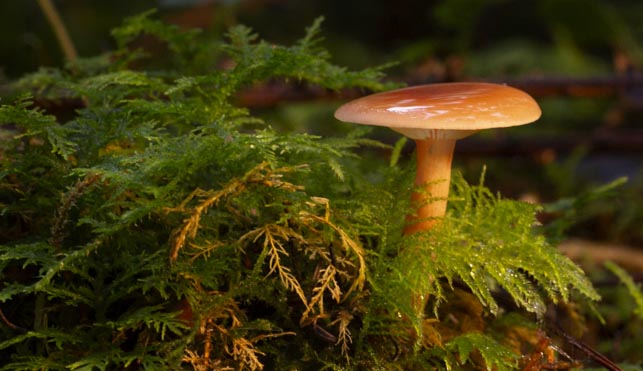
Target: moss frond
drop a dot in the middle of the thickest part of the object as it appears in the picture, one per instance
(160, 225)
(633, 289)
(485, 238)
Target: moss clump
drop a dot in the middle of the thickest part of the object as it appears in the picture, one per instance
(159, 225)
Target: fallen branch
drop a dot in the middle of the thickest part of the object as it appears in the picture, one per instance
(630, 85)
(619, 140)
(595, 252)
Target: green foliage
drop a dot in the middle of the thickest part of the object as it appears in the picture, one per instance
(37, 123)
(159, 225)
(580, 202)
(573, 210)
(483, 228)
(632, 288)
(459, 350)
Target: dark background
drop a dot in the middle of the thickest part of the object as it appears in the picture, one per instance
(581, 59)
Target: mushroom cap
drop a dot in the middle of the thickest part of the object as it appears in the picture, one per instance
(448, 110)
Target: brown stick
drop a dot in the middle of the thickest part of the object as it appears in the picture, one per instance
(10, 324)
(275, 92)
(597, 86)
(58, 26)
(626, 256)
(611, 141)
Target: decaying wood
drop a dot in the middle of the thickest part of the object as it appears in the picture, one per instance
(629, 85)
(614, 141)
(599, 86)
(628, 257)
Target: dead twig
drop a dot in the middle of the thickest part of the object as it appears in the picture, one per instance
(595, 252)
(10, 324)
(59, 28)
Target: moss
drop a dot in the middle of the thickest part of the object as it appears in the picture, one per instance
(159, 225)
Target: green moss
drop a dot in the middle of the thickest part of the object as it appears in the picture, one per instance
(159, 225)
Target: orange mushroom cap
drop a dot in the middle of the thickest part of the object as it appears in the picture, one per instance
(448, 110)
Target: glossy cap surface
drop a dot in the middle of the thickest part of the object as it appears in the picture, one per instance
(442, 110)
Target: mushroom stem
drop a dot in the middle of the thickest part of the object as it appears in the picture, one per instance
(433, 177)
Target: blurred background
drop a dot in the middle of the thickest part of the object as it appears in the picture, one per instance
(581, 59)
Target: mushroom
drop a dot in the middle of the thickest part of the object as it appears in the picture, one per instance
(435, 116)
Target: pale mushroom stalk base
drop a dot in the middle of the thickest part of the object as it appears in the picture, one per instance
(433, 176)
(432, 182)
